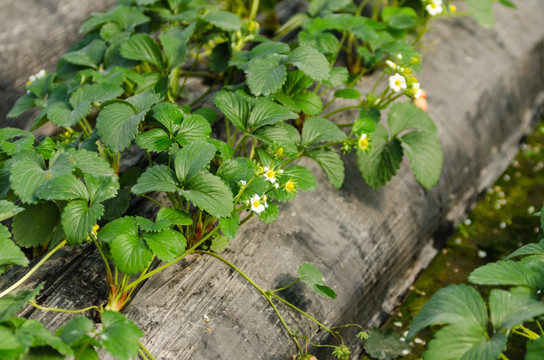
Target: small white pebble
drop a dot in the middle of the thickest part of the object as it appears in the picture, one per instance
(397, 324)
(405, 333)
(501, 194)
(467, 222)
(489, 191)
(402, 338)
(205, 317)
(506, 177)
(497, 205)
(502, 225)
(419, 341)
(405, 352)
(458, 240)
(482, 254)
(530, 209)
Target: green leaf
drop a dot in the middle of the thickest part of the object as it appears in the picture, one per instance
(229, 226)
(508, 310)
(169, 115)
(282, 134)
(36, 225)
(338, 76)
(270, 214)
(535, 350)
(63, 187)
(207, 113)
(89, 56)
(28, 174)
(234, 106)
(529, 249)
(78, 219)
(154, 140)
(167, 245)
(464, 341)
(209, 193)
(455, 304)
(324, 42)
(117, 227)
(270, 47)
(400, 18)
(142, 47)
(75, 329)
(191, 159)
(383, 161)
(9, 345)
(234, 170)
(157, 178)
(43, 343)
(318, 129)
(219, 243)
(120, 335)
(301, 176)
(310, 274)
(219, 58)
(425, 155)
(505, 273)
(101, 188)
(117, 125)
(384, 344)
(175, 49)
(406, 116)
(297, 82)
(311, 62)
(147, 225)
(99, 92)
(193, 128)
(265, 75)
(310, 103)
(12, 304)
(324, 291)
(61, 114)
(11, 255)
(174, 216)
(482, 11)
(331, 163)
(266, 112)
(143, 101)
(223, 19)
(8, 209)
(130, 252)
(347, 94)
(23, 104)
(90, 162)
(508, 3)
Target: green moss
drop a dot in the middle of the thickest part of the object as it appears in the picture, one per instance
(502, 221)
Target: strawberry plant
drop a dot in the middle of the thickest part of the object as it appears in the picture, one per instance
(126, 91)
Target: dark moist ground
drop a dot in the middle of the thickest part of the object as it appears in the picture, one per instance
(502, 221)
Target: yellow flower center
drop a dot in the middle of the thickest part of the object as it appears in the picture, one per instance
(397, 82)
(289, 186)
(270, 174)
(256, 203)
(364, 143)
(453, 8)
(433, 6)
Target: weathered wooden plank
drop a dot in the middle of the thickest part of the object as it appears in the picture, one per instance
(370, 244)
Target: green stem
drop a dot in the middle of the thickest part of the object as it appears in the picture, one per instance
(146, 352)
(342, 109)
(62, 310)
(503, 357)
(151, 199)
(301, 311)
(254, 9)
(159, 269)
(540, 327)
(264, 293)
(33, 270)
(285, 287)
(104, 259)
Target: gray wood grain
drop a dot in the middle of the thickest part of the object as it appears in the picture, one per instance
(483, 88)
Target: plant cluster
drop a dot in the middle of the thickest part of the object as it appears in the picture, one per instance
(125, 90)
(480, 329)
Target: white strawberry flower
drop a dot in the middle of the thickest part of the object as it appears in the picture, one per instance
(258, 204)
(397, 83)
(269, 175)
(391, 64)
(434, 7)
